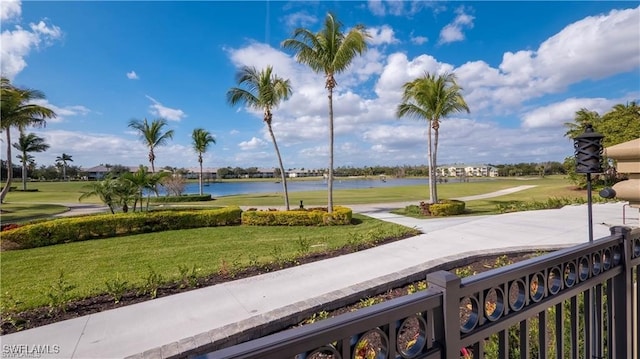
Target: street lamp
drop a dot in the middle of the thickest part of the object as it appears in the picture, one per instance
(588, 152)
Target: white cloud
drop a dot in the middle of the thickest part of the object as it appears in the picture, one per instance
(381, 35)
(556, 114)
(454, 31)
(376, 7)
(396, 7)
(253, 144)
(168, 113)
(418, 40)
(62, 112)
(18, 43)
(10, 9)
(132, 75)
(300, 19)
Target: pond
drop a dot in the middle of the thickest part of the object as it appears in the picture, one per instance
(218, 189)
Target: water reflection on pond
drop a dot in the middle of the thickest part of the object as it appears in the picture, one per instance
(217, 189)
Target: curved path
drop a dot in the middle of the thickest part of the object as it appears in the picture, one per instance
(167, 326)
(87, 208)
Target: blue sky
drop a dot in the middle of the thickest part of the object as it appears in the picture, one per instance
(526, 68)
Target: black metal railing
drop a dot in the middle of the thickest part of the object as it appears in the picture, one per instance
(580, 302)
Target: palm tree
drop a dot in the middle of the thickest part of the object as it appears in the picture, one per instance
(63, 159)
(104, 190)
(17, 111)
(329, 51)
(28, 143)
(582, 119)
(264, 91)
(143, 180)
(201, 141)
(432, 98)
(152, 136)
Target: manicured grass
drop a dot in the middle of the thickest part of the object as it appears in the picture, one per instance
(28, 275)
(16, 212)
(52, 192)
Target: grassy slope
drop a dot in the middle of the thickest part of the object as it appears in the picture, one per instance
(27, 275)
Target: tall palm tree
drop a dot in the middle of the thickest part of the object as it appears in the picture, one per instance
(17, 111)
(201, 141)
(264, 91)
(28, 143)
(152, 135)
(432, 98)
(329, 51)
(63, 159)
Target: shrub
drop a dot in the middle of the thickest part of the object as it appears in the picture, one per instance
(298, 217)
(75, 229)
(447, 207)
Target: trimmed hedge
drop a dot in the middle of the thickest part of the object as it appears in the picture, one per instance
(74, 229)
(447, 207)
(185, 198)
(298, 217)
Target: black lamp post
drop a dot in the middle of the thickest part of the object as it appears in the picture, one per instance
(588, 152)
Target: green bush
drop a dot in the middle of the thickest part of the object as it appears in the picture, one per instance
(298, 217)
(447, 207)
(73, 229)
(185, 198)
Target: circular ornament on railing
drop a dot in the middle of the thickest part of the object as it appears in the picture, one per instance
(411, 336)
(494, 304)
(570, 274)
(583, 269)
(469, 314)
(617, 255)
(536, 287)
(326, 351)
(596, 263)
(636, 248)
(606, 259)
(516, 295)
(373, 344)
(555, 280)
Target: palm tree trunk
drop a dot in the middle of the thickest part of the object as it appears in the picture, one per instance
(430, 155)
(24, 175)
(282, 174)
(6, 187)
(330, 180)
(200, 175)
(64, 171)
(434, 195)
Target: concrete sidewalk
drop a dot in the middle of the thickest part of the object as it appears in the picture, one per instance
(170, 325)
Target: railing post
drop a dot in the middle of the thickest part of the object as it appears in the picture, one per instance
(622, 294)
(448, 335)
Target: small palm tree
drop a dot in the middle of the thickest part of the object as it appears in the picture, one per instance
(143, 180)
(63, 159)
(329, 51)
(104, 190)
(26, 144)
(17, 111)
(432, 98)
(201, 141)
(264, 91)
(152, 135)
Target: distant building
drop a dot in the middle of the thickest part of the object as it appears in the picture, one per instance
(462, 170)
(98, 172)
(294, 173)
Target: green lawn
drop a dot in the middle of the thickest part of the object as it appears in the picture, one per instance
(28, 275)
